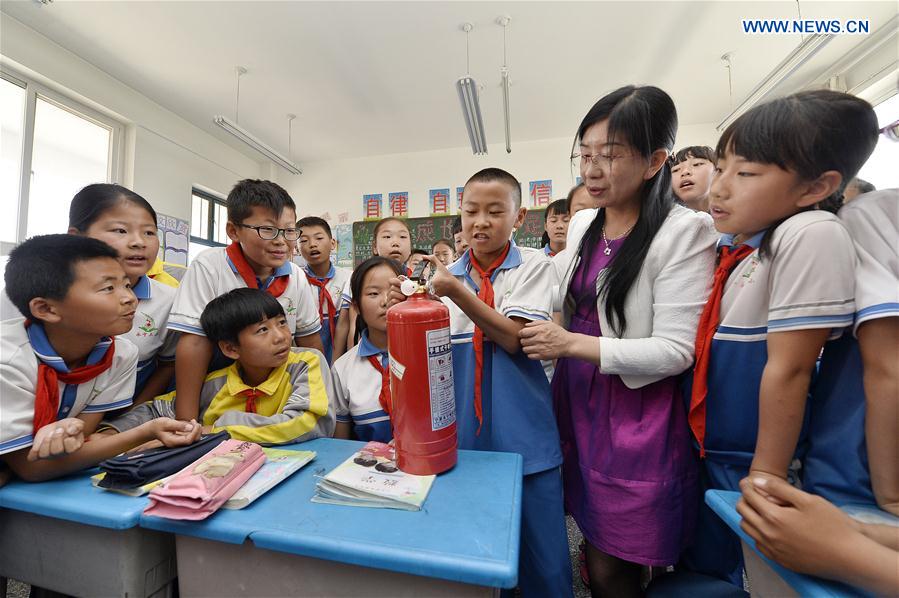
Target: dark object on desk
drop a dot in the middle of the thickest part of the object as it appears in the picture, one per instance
(132, 470)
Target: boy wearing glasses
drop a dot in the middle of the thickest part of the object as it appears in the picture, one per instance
(261, 226)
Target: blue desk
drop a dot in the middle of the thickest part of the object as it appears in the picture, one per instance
(767, 578)
(465, 539)
(67, 536)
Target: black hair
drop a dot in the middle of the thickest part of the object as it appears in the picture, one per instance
(556, 208)
(644, 117)
(446, 242)
(383, 221)
(703, 152)
(89, 204)
(457, 225)
(570, 197)
(250, 193)
(44, 266)
(315, 221)
(225, 316)
(490, 175)
(416, 251)
(810, 132)
(358, 278)
(862, 185)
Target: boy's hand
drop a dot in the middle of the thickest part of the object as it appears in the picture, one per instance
(544, 340)
(442, 283)
(172, 432)
(59, 438)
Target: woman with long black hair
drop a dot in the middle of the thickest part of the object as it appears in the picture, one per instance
(637, 273)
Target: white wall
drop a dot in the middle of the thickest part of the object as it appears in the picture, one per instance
(336, 187)
(163, 154)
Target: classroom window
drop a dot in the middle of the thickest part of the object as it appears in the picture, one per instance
(208, 217)
(12, 126)
(52, 146)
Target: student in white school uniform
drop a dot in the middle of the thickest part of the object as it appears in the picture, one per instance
(68, 359)
(361, 379)
(784, 286)
(853, 449)
(261, 226)
(326, 280)
(503, 400)
(127, 222)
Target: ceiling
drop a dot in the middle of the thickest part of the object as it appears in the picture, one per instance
(368, 78)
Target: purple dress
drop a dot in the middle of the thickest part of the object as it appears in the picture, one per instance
(630, 477)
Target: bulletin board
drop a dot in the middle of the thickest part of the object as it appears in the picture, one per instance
(427, 230)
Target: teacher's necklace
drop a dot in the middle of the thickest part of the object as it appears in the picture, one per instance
(608, 250)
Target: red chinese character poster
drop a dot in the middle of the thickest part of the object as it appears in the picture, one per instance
(371, 206)
(459, 199)
(399, 204)
(541, 193)
(440, 201)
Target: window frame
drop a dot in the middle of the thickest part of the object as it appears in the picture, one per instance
(33, 91)
(213, 200)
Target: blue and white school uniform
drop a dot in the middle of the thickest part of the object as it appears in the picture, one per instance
(806, 282)
(150, 333)
(21, 351)
(357, 387)
(337, 278)
(517, 411)
(835, 463)
(212, 274)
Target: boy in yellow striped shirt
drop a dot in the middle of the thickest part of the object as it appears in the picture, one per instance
(272, 394)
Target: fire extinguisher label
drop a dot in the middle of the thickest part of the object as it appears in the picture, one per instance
(440, 375)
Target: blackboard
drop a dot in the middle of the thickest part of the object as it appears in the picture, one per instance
(427, 230)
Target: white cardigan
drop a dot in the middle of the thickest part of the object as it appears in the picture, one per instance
(664, 303)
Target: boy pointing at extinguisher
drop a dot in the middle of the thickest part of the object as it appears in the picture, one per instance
(503, 399)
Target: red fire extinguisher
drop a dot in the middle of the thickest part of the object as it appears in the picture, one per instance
(423, 412)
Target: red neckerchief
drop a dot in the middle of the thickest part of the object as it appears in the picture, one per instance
(384, 396)
(324, 297)
(275, 289)
(251, 394)
(485, 294)
(708, 324)
(46, 393)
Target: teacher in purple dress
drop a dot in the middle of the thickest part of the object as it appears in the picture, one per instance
(634, 280)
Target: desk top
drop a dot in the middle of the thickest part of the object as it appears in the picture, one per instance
(73, 498)
(467, 531)
(725, 506)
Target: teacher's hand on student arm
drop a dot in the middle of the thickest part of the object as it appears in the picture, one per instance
(59, 438)
(157, 383)
(547, 340)
(877, 341)
(782, 397)
(498, 328)
(310, 341)
(809, 535)
(169, 431)
(192, 357)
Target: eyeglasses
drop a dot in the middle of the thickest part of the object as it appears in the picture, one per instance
(270, 233)
(579, 160)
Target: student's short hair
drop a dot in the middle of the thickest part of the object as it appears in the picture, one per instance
(556, 208)
(490, 175)
(570, 196)
(694, 151)
(44, 266)
(228, 314)
(383, 221)
(457, 226)
(418, 252)
(250, 193)
(315, 221)
(446, 242)
(89, 204)
(358, 278)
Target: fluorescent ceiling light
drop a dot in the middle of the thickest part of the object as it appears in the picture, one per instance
(256, 144)
(471, 111)
(799, 56)
(505, 85)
